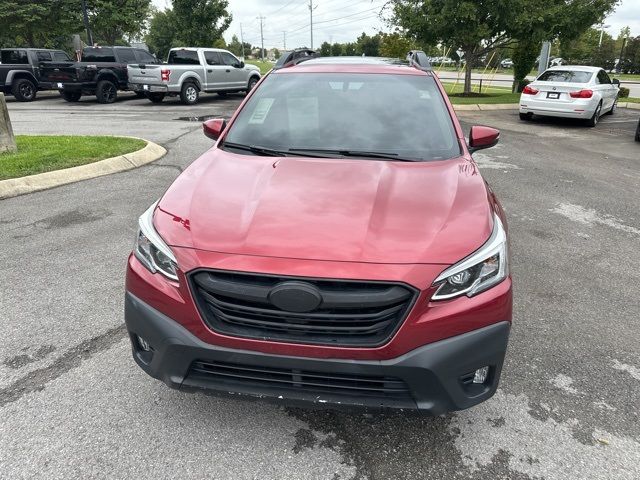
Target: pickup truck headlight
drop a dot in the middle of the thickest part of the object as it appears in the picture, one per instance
(151, 250)
(481, 270)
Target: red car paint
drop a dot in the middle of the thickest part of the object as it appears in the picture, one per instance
(329, 218)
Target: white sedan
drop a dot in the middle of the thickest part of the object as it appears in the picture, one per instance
(571, 92)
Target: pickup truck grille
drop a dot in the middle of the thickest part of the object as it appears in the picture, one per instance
(345, 313)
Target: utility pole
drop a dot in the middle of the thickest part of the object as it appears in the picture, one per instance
(85, 17)
(261, 18)
(545, 51)
(602, 27)
(241, 41)
(284, 40)
(311, 9)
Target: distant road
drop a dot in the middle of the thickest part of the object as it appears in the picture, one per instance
(505, 80)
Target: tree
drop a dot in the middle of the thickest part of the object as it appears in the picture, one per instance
(116, 22)
(235, 46)
(476, 27)
(199, 23)
(395, 45)
(350, 49)
(336, 50)
(369, 46)
(325, 49)
(162, 33)
(45, 23)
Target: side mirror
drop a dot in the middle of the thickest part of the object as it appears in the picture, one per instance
(240, 64)
(615, 81)
(482, 137)
(214, 128)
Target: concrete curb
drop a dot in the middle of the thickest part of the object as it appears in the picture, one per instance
(43, 181)
(632, 106)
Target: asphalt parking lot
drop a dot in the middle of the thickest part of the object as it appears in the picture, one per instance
(74, 405)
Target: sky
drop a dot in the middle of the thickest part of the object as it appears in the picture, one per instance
(343, 20)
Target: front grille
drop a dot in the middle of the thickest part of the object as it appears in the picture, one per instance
(273, 380)
(349, 313)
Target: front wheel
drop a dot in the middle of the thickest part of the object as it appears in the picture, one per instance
(106, 91)
(189, 94)
(593, 121)
(638, 132)
(613, 107)
(252, 83)
(24, 90)
(73, 96)
(155, 97)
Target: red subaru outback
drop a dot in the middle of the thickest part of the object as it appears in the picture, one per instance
(337, 245)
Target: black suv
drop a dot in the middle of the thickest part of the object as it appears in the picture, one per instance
(21, 71)
(102, 71)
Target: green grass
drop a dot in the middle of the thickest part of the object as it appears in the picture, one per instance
(263, 66)
(38, 154)
(629, 100)
(490, 95)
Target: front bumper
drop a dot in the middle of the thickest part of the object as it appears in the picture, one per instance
(437, 375)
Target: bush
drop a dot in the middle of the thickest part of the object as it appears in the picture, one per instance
(624, 92)
(523, 83)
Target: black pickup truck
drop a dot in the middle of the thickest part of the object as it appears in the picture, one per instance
(102, 71)
(21, 71)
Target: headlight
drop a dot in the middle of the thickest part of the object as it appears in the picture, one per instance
(481, 270)
(151, 250)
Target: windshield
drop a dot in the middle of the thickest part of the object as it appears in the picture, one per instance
(401, 115)
(567, 76)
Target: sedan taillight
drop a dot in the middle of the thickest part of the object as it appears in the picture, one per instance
(164, 74)
(582, 94)
(529, 90)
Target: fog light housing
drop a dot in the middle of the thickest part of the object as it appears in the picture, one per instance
(481, 375)
(143, 344)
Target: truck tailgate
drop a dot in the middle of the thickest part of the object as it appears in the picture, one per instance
(146, 74)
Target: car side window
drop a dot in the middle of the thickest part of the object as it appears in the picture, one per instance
(603, 78)
(60, 57)
(126, 55)
(183, 57)
(14, 57)
(43, 56)
(228, 59)
(145, 57)
(212, 58)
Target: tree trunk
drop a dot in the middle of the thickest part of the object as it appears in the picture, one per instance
(469, 60)
(7, 140)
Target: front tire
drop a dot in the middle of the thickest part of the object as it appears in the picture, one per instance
(106, 91)
(593, 121)
(613, 107)
(252, 83)
(73, 96)
(155, 97)
(24, 90)
(638, 132)
(189, 94)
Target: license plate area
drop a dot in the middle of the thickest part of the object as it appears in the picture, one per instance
(553, 95)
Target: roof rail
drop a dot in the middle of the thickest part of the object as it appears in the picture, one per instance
(419, 59)
(293, 57)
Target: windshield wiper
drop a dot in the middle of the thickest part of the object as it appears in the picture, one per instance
(264, 151)
(353, 153)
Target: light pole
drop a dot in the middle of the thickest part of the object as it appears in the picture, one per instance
(602, 27)
(85, 17)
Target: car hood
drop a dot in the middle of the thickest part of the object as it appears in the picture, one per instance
(327, 209)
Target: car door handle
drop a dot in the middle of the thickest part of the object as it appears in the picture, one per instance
(228, 71)
(209, 71)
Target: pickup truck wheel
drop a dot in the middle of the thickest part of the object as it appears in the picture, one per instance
(252, 83)
(72, 96)
(106, 91)
(189, 94)
(155, 97)
(24, 90)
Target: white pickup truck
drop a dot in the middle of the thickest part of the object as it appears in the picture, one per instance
(189, 71)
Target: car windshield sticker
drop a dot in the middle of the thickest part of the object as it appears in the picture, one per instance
(261, 111)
